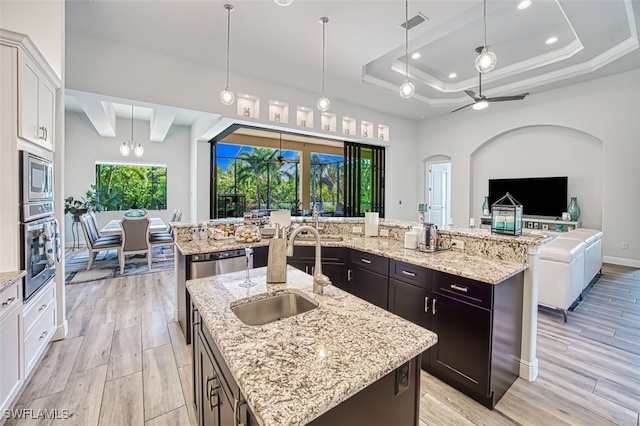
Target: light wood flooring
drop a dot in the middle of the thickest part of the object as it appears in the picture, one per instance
(125, 362)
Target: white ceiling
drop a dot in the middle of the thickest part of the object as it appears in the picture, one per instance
(365, 44)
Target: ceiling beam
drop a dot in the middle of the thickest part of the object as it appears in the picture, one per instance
(159, 124)
(102, 116)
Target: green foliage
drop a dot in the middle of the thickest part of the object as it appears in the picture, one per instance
(124, 187)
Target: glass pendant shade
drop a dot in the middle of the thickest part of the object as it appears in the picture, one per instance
(407, 89)
(125, 149)
(480, 105)
(486, 61)
(138, 151)
(323, 104)
(227, 97)
(283, 2)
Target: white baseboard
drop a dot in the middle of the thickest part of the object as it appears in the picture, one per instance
(529, 370)
(61, 331)
(634, 263)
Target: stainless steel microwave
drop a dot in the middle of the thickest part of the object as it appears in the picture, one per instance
(37, 178)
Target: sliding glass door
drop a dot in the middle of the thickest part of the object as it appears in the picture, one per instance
(363, 179)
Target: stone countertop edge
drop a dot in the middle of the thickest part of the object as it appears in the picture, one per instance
(528, 238)
(9, 277)
(293, 370)
(490, 271)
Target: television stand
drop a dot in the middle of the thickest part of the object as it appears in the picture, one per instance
(530, 222)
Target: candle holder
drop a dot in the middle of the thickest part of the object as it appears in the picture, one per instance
(506, 216)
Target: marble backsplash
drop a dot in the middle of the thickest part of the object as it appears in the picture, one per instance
(477, 242)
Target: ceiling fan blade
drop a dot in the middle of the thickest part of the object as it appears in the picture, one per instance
(462, 107)
(473, 94)
(507, 98)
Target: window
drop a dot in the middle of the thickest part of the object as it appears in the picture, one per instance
(130, 186)
(327, 183)
(255, 178)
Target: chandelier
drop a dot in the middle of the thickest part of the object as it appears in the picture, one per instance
(129, 145)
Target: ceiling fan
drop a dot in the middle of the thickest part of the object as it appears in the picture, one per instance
(280, 159)
(481, 101)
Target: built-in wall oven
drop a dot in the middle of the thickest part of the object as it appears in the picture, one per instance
(40, 239)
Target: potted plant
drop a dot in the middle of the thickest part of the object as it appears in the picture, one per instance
(77, 207)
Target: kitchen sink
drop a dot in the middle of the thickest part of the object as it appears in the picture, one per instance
(273, 308)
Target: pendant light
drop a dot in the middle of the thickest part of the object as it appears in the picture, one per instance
(129, 145)
(323, 102)
(486, 60)
(407, 89)
(227, 97)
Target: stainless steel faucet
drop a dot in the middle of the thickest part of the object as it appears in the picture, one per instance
(315, 214)
(319, 279)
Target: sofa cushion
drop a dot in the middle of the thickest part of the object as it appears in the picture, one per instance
(562, 250)
(592, 233)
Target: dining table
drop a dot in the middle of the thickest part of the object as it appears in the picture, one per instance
(113, 227)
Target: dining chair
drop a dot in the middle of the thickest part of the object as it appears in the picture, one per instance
(165, 238)
(95, 243)
(135, 238)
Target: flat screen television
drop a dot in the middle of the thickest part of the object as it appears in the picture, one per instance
(540, 196)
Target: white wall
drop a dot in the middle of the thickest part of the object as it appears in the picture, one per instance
(42, 21)
(84, 147)
(553, 133)
(107, 68)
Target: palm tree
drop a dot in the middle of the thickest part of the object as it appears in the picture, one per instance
(253, 166)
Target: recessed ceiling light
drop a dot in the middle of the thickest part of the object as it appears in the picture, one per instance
(415, 55)
(524, 4)
(453, 75)
(551, 40)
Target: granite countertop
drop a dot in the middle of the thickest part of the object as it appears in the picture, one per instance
(9, 277)
(491, 271)
(293, 370)
(527, 237)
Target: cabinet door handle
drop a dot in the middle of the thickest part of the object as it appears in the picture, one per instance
(43, 335)
(365, 260)
(42, 130)
(46, 133)
(349, 275)
(11, 299)
(433, 306)
(212, 393)
(459, 288)
(42, 308)
(426, 303)
(411, 274)
(306, 269)
(236, 412)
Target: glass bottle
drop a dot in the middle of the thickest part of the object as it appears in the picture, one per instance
(485, 207)
(574, 209)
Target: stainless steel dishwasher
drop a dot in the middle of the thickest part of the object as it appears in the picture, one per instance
(209, 264)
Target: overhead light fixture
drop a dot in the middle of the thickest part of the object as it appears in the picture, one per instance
(226, 96)
(415, 55)
(283, 2)
(551, 40)
(524, 4)
(407, 89)
(129, 145)
(486, 60)
(481, 104)
(323, 102)
(453, 75)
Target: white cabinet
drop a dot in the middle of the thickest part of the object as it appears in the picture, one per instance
(36, 104)
(11, 375)
(40, 324)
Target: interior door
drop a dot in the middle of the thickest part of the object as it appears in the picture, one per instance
(438, 177)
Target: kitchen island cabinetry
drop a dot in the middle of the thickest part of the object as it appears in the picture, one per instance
(333, 263)
(368, 277)
(305, 369)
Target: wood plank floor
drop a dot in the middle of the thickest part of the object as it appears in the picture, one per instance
(125, 362)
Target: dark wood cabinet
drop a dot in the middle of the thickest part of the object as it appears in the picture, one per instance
(464, 343)
(413, 304)
(260, 255)
(369, 286)
(333, 259)
(216, 398)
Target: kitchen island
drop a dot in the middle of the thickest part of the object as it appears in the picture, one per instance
(305, 367)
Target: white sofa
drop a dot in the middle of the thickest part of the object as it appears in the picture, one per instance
(592, 253)
(561, 273)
